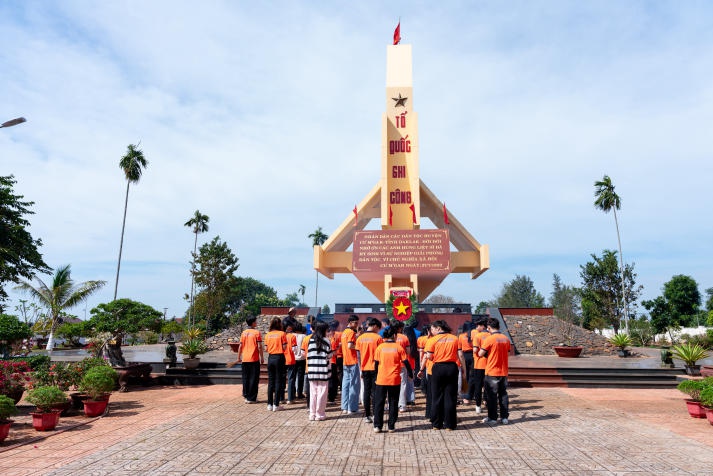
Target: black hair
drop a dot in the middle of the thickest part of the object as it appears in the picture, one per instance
(389, 332)
(374, 322)
(276, 324)
(494, 323)
(334, 325)
(319, 329)
(443, 325)
(410, 332)
(425, 329)
(250, 320)
(353, 318)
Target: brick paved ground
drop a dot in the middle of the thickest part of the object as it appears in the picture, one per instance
(209, 430)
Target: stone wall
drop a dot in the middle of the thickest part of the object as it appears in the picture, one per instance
(537, 334)
(221, 340)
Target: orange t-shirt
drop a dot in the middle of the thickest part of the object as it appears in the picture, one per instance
(421, 343)
(498, 347)
(350, 355)
(366, 344)
(444, 348)
(305, 346)
(250, 346)
(464, 344)
(289, 351)
(479, 337)
(276, 342)
(336, 344)
(338, 337)
(391, 357)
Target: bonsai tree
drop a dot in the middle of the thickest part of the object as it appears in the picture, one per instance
(7, 409)
(45, 397)
(692, 388)
(193, 348)
(689, 353)
(98, 381)
(122, 317)
(706, 396)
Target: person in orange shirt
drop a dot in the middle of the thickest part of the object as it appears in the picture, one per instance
(304, 351)
(290, 362)
(389, 359)
(404, 342)
(335, 337)
(276, 343)
(497, 348)
(466, 345)
(443, 349)
(425, 367)
(350, 379)
(366, 345)
(478, 336)
(250, 353)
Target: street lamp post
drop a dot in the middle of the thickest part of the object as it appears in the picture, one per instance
(13, 122)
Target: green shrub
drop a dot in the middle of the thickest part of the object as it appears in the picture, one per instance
(692, 388)
(689, 353)
(193, 347)
(64, 375)
(706, 396)
(34, 361)
(7, 408)
(45, 396)
(98, 381)
(620, 340)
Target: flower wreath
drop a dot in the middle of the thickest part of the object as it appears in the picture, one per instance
(389, 307)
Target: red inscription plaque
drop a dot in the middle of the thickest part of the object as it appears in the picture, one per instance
(401, 252)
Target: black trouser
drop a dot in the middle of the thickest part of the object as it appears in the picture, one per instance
(251, 378)
(478, 381)
(333, 383)
(300, 366)
(275, 378)
(444, 394)
(291, 382)
(369, 379)
(426, 387)
(381, 393)
(468, 357)
(340, 368)
(496, 394)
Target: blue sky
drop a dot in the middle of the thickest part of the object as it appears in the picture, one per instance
(267, 118)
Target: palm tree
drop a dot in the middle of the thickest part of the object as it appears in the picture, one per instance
(62, 294)
(318, 238)
(199, 224)
(301, 291)
(132, 163)
(606, 199)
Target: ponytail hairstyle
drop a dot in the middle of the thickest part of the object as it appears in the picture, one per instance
(443, 325)
(276, 324)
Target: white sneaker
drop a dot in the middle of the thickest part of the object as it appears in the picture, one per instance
(504, 421)
(377, 430)
(478, 409)
(368, 419)
(269, 408)
(488, 421)
(276, 408)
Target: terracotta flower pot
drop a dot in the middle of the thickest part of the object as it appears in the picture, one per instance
(568, 350)
(709, 415)
(45, 421)
(695, 409)
(5, 429)
(707, 370)
(94, 408)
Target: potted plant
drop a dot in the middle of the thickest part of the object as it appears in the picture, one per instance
(192, 348)
(98, 383)
(14, 376)
(567, 330)
(707, 400)
(621, 341)
(690, 354)
(693, 389)
(46, 398)
(7, 409)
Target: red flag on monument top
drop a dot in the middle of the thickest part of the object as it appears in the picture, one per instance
(413, 212)
(397, 33)
(445, 214)
(391, 216)
(356, 215)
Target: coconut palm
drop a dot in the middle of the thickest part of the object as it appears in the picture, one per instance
(302, 291)
(62, 294)
(199, 224)
(607, 200)
(133, 164)
(318, 238)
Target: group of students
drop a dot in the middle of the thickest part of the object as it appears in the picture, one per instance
(377, 366)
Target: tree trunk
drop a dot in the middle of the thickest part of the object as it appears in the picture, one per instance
(623, 286)
(121, 243)
(193, 280)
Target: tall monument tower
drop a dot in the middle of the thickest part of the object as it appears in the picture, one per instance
(401, 257)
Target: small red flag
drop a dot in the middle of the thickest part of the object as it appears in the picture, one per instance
(356, 215)
(397, 33)
(391, 216)
(445, 214)
(413, 212)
